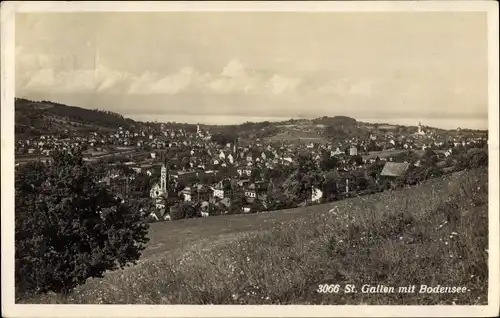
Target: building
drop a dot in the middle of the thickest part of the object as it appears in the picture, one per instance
(353, 151)
(159, 192)
(160, 189)
(316, 195)
(420, 130)
(186, 193)
(394, 169)
(336, 152)
(218, 193)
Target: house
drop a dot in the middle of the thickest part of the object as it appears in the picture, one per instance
(336, 152)
(46, 152)
(218, 193)
(186, 192)
(224, 204)
(160, 214)
(353, 151)
(394, 169)
(250, 194)
(248, 172)
(205, 208)
(316, 195)
(137, 169)
(242, 183)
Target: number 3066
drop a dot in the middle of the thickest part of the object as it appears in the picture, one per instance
(328, 288)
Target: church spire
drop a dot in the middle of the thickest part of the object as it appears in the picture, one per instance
(164, 173)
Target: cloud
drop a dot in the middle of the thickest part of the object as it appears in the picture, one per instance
(279, 84)
(236, 78)
(66, 82)
(39, 73)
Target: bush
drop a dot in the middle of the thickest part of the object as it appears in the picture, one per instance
(69, 228)
(476, 158)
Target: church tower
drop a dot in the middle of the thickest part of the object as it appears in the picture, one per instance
(163, 178)
(163, 174)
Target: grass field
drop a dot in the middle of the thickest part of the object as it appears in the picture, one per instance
(297, 136)
(432, 234)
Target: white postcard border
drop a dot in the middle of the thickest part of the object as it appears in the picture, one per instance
(9, 309)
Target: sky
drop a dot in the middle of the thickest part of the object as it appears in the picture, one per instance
(258, 64)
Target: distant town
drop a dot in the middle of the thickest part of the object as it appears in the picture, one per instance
(190, 170)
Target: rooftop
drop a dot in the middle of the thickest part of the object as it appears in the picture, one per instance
(394, 169)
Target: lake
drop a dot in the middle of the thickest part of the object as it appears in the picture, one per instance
(216, 119)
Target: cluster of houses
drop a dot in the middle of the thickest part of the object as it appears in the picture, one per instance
(196, 161)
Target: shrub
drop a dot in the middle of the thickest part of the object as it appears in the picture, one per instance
(69, 228)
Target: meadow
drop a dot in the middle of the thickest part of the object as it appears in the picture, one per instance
(435, 233)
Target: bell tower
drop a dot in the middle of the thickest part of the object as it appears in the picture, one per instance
(163, 179)
(163, 174)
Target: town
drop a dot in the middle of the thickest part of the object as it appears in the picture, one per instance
(262, 154)
(179, 171)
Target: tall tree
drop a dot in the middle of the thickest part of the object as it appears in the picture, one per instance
(68, 227)
(306, 175)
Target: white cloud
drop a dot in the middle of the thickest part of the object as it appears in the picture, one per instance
(234, 69)
(280, 84)
(65, 82)
(234, 78)
(141, 84)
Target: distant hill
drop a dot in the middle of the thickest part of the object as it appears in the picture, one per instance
(37, 117)
(317, 130)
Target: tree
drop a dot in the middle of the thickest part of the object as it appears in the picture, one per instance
(222, 138)
(408, 156)
(328, 162)
(69, 228)
(255, 174)
(375, 169)
(357, 160)
(176, 213)
(187, 210)
(306, 175)
(330, 190)
(257, 206)
(430, 157)
(476, 158)
(237, 202)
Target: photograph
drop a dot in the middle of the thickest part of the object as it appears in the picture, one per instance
(250, 159)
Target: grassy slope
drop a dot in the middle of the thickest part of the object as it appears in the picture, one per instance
(391, 238)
